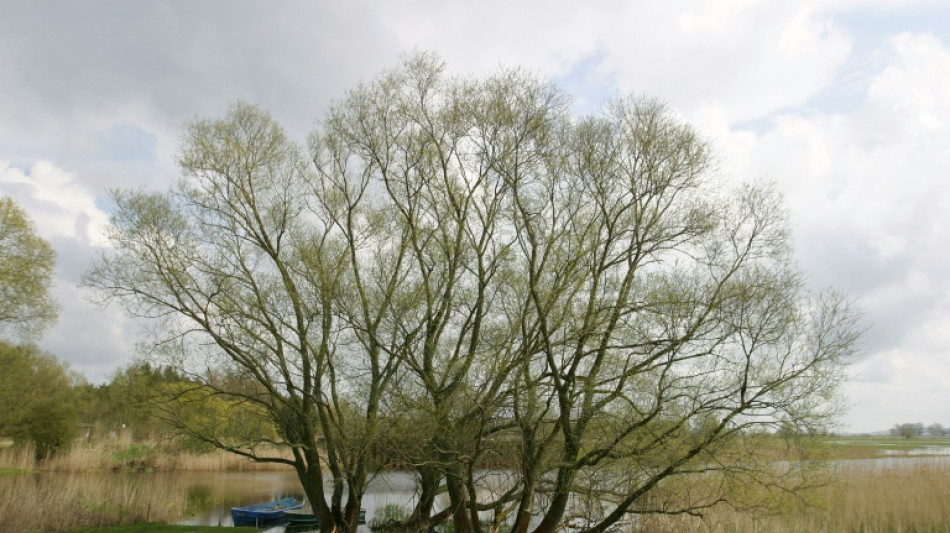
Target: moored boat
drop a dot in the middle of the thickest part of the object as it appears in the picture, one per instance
(301, 517)
(305, 516)
(263, 514)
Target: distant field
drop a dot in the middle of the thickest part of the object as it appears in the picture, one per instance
(857, 447)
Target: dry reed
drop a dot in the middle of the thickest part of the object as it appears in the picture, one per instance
(66, 502)
(121, 454)
(890, 496)
(899, 495)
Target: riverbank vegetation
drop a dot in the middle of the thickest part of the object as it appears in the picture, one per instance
(55, 420)
(65, 502)
(904, 495)
(124, 455)
(873, 496)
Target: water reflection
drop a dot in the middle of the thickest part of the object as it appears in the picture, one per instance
(924, 451)
(215, 493)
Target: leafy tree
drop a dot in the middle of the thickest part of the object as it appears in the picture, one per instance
(937, 430)
(465, 258)
(36, 391)
(908, 430)
(125, 401)
(244, 281)
(27, 265)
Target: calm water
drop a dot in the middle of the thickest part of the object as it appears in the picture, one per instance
(922, 451)
(215, 493)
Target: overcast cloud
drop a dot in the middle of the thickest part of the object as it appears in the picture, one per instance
(845, 104)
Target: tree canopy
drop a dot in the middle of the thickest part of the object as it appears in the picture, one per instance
(39, 406)
(459, 273)
(27, 267)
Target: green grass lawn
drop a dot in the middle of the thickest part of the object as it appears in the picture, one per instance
(164, 528)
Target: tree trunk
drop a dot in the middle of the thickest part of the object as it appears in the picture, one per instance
(429, 479)
(458, 498)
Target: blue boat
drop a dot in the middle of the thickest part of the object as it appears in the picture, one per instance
(264, 514)
(306, 517)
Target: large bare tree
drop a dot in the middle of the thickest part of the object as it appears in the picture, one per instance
(577, 299)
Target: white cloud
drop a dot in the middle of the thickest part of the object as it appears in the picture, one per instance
(66, 214)
(881, 5)
(753, 56)
(60, 204)
(914, 87)
(868, 192)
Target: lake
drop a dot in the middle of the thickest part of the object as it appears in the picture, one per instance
(213, 494)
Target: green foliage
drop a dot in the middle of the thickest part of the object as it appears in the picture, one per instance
(27, 264)
(389, 514)
(135, 455)
(908, 430)
(202, 415)
(37, 392)
(125, 402)
(51, 424)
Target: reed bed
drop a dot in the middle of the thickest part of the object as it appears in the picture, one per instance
(123, 455)
(68, 502)
(216, 461)
(897, 495)
(16, 459)
(907, 495)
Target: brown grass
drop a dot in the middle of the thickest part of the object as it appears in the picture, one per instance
(96, 484)
(896, 496)
(124, 455)
(899, 495)
(66, 502)
(16, 458)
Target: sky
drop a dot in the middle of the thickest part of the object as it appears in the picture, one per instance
(843, 104)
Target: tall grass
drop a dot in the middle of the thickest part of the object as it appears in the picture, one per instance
(897, 496)
(66, 502)
(14, 459)
(93, 484)
(123, 454)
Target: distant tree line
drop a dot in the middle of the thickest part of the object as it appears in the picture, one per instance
(917, 429)
(48, 406)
